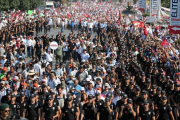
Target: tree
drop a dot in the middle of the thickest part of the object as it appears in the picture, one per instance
(34, 4)
(14, 4)
(4, 5)
(165, 3)
(24, 5)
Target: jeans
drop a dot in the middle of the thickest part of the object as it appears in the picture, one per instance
(90, 29)
(62, 29)
(29, 51)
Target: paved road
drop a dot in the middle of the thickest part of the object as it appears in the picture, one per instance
(54, 32)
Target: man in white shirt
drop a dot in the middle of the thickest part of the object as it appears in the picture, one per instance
(53, 81)
(29, 46)
(90, 26)
(85, 56)
(3, 61)
(49, 56)
(37, 66)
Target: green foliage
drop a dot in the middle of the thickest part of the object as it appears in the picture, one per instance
(34, 4)
(14, 4)
(19, 4)
(165, 3)
(4, 5)
(24, 5)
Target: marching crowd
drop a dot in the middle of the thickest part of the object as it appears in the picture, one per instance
(123, 73)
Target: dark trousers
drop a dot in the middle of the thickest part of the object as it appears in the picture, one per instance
(65, 55)
(45, 29)
(38, 55)
(174, 111)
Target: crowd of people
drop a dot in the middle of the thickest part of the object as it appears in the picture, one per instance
(109, 70)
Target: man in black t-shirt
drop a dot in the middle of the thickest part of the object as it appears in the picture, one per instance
(105, 112)
(72, 48)
(127, 112)
(89, 110)
(38, 48)
(69, 112)
(146, 113)
(164, 111)
(50, 111)
(32, 109)
(22, 46)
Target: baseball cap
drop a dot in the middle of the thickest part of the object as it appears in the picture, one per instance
(4, 79)
(154, 86)
(163, 92)
(13, 95)
(98, 92)
(22, 94)
(125, 96)
(109, 95)
(159, 88)
(129, 100)
(107, 99)
(90, 96)
(144, 92)
(164, 97)
(145, 102)
(82, 89)
(4, 69)
(3, 106)
(32, 95)
(49, 97)
(69, 98)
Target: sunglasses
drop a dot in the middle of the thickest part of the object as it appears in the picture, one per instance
(6, 110)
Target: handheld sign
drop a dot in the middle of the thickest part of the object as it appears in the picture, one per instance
(54, 45)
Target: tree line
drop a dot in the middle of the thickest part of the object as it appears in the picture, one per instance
(19, 4)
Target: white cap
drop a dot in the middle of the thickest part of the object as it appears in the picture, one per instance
(83, 60)
(82, 89)
(89, 76)
(106, 84)
(2, 82)
(98, 91)
(87, 79)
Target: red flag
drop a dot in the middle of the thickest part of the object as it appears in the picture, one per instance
(68, 15)
(165, 43)
(87, 15)
(44, 11)
(138, 24)
(145, 31)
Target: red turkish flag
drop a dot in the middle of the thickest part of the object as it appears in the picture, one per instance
(145, 31)
(68, 15)
(138, 24)
(165, 43)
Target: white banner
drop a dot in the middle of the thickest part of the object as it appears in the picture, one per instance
(154, 7)
(142, 5)
(175, 13)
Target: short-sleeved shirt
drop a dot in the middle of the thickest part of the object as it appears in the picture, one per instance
(49, 111)
(69, 113)
(88, 111)
(104, 113)
(164, 112)
(32, 110)
(146, 115)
